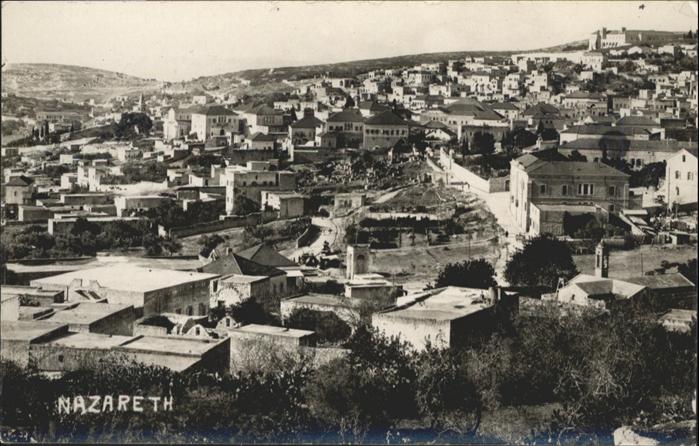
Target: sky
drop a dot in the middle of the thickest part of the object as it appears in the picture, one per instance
(174, 41)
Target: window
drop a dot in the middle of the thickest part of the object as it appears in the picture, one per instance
(564, 189)
(190, 311)
(585, 189)
(690, 176)
(684, 158)
(542, 189)
(612, 191)
(677, 174)
(611, 208)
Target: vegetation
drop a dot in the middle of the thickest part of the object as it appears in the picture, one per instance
(170, 215)
(541, 262)
(133, 126)
(477, 273)
(209, 243)
(84, 239)
(589, 226)
(483, 143)
(329, 328)
(599, 373)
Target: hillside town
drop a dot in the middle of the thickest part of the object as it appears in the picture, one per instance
(446, 209)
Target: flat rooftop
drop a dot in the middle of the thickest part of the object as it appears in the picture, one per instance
(330, 300)
(87, 313)
(90, 341)
(271, 330)
(443, 304)
(126, 278)
(31, 331)
(566, 207)
(27, 313)
(16, 290)
(173, 345)
(239, 278)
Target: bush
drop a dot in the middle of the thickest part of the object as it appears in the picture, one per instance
(469, 273)
(541, 262)
(328, 326)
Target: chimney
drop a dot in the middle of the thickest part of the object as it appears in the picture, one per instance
(623, 29)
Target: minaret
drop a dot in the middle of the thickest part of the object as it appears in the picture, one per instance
(601, 260)
(140, 102)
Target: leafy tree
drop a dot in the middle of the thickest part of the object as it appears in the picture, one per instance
(133, 125)
(328, 326)
(689, 270)
(444, 394)
(249, 311)
(244, 206)
(541, 262)
(477, 273)
(209, 243)
(135, 171)
(483, 143)
(349, 103)
(171, 245)
(576, 156)
(518, 139)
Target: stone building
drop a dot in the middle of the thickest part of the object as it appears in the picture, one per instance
(446, 317)
(149, 290)
(534, 181)
(681, 180)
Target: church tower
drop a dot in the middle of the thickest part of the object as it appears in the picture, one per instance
(358, 260)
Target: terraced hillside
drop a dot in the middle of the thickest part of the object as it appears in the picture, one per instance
(70, 82)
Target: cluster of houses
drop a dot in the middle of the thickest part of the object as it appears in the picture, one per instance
(60, 317)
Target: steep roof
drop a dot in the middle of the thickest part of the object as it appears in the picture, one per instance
(606, 131)
(574, 168)
(212, 110)
(265, 109)
(348, 115)
(20, 181)
(308, 122)
(259, 136)
(490, 115)
(465, 106)
(666, 145)
(435, 125)
(662, 281)
(504, 106)
(266, 255)
(386, 118)
(637, 121)
(236, 264)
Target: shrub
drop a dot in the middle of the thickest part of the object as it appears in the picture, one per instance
(328, 326)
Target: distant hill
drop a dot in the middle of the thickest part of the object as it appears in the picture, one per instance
(231, 81)
(69, 82)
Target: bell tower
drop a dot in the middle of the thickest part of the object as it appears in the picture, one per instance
(602, 260)
(358, 260)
